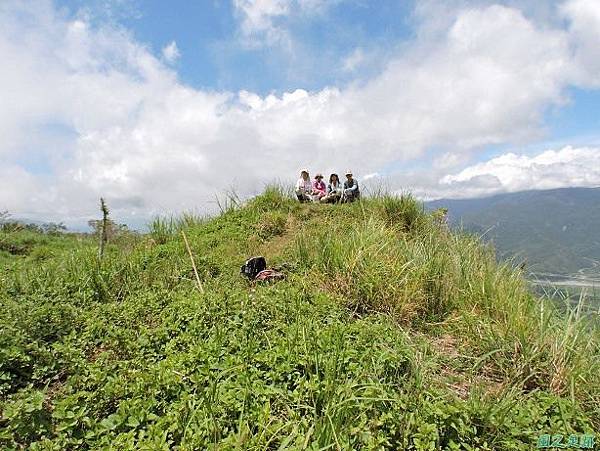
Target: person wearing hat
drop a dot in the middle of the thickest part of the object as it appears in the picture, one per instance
(351, 191)
(318, 188)
(334, 190)
(304, 187)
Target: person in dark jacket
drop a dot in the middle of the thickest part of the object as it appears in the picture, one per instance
(351, 190)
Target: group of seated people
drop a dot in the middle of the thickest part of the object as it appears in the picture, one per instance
(333, 192)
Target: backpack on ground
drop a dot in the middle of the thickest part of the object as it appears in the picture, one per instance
(253, 266)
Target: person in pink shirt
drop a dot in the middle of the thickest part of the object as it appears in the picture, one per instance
(319, 189)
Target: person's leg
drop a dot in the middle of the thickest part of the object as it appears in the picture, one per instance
(302, 196)
(331, 199)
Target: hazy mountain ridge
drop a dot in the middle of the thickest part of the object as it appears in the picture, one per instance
(555, 231)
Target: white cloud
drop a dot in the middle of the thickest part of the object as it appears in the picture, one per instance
(258, 17)
(354, 60)
(509, 172)
(512, 172)
(170, 52)
(150, 144)
(584, 32)
(449, 161)
(264, 21)
(373, 175)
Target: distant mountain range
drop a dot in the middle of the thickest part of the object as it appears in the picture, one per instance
(554, 231)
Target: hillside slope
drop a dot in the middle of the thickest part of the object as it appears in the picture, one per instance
(389, 332)
(556, 231)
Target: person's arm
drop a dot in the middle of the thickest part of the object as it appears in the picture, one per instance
(354, 186)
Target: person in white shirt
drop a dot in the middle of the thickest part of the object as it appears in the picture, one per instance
(304, 187)
(335, 190)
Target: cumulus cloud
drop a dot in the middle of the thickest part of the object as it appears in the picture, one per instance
(258, 19)
(170, 52)
(512, 172)
(584, 32)
(263, 21)
(129, 130)
(551, 169)
(353, 60)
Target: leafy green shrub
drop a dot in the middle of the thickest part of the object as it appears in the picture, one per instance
(25, 418)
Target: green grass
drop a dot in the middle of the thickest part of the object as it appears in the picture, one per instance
(389, 332)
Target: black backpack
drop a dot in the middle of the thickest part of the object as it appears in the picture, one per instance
(253, 266)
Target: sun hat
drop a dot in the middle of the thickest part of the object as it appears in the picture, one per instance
(349, 172)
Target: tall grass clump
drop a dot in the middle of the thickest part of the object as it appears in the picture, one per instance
(163, 229)
(228, 201)
(377, 268)
(401, 212)
(274, 197)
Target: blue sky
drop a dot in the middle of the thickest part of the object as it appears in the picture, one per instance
(579, 119)
(161, 106)
(214, 57)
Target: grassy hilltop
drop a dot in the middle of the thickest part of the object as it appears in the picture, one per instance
(390, 332)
